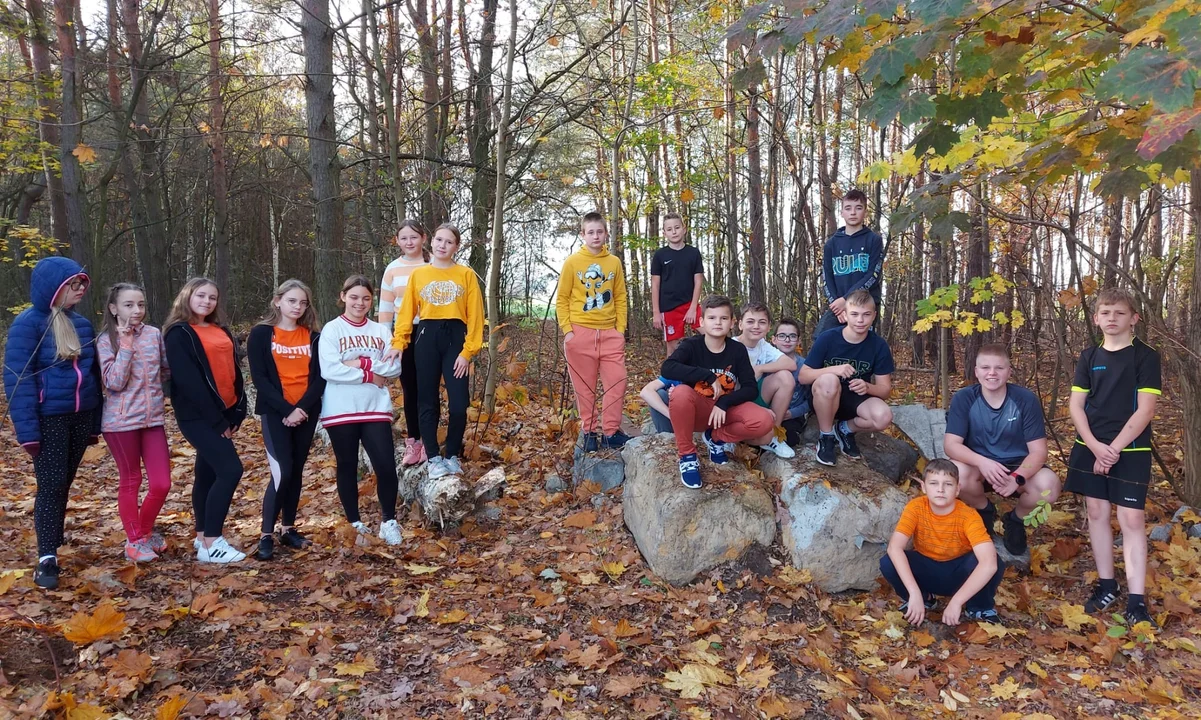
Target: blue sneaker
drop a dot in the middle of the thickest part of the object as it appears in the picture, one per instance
(591, 442)
(989, 615)
(690, 471)
(717, 450)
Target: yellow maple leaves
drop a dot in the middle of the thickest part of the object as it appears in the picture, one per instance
(692, 679)
(105, 622)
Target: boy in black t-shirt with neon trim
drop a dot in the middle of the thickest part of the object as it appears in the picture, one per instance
(1113, 400)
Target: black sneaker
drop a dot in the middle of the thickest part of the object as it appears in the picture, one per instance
(988, 514)
(1101, 599)
(591, 442)
(616, 440)
(989, 615)
(1139, 613)
(1015, 533)
(45, 575)
(827, 449)
(293, 539)
(846, 441)
(266, 549)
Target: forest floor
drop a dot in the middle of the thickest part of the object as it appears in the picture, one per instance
(546, 609)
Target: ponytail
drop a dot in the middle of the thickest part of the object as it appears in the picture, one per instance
(66, 339)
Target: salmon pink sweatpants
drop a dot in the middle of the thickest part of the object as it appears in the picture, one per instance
(131, 449)
(690, 413)
(592, 354)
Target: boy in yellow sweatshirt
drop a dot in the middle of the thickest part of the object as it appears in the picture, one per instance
(591, 308)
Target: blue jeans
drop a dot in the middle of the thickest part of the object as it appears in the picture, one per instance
(662, 422)
(943, 578)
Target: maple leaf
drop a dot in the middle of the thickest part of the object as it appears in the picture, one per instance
(422, 569)
(105, 622)
(757, 678)
(586, 659)
(1006, 690)
(423, 604)
(358, 668)
(131, 663)
(84, 153)
(452, 617)
(1074, 616)
(624, 629)
(687, 196)
(582, 519)
(171, 709)
(86, 711)
(692, 679)
(614, 569)
(7, 580)
(623, 685)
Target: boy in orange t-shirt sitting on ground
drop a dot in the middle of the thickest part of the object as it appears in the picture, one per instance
(952, 553)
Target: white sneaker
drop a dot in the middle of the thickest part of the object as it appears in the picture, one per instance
(220, 552)
(454, 466)
(389, 532)
(779, 448)
(361, 527)
(437, 467)
(196, 544)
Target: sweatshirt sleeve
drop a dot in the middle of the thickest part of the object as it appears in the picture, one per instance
(188, 384)
(116, 365)
(748, 389)
(681, 367)
(563, 297)
(475, 316)
(258, 348)
(387, 297)
(332, 368)
(620, 297)
(402, 326)
(875, 265)
(828, 270)
(389, 369)
(164, 368)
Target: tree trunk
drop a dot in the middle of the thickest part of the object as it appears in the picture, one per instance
(1188, 365)
(758, 252)
(479, 138)
(44, 81)
(70, 138)
(432, 207)
(324, 165)
(217, 144)
(498, 215)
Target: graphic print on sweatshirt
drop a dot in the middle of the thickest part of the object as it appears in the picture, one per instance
(594, 280)
(360, 342)
(725, 378)
(441, 292)
(851, 264)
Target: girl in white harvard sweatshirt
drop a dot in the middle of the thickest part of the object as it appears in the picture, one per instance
(357, 405)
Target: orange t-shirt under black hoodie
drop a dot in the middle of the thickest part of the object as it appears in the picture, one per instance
(196, 389)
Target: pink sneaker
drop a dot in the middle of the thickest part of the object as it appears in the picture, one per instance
(414, 452)
(139, 551)
(156, 542)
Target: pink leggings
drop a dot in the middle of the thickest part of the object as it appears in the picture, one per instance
(130, 449)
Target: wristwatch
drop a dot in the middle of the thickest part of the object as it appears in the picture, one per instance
(1018, 478)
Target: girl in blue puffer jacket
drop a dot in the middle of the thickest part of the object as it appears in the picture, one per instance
(52, 381)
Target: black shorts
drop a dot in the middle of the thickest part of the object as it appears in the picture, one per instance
(848, 404)
(1125, 485)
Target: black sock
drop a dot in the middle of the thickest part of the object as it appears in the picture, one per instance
(1110, 584)
(1133, 601)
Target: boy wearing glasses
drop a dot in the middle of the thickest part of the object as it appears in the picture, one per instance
(787, 340)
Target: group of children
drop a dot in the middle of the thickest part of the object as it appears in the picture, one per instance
(67, 386)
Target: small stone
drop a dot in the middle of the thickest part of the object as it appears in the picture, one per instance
(605, 468)
(1021, 562)
(489, 512)
(1161, 533)
(1178, 516)
(1195, 531)
(555, 484)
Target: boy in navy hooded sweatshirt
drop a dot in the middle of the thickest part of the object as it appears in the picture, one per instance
(853, 259)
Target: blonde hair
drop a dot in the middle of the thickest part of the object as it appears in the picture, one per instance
(181, 309)
(274, 315)
(66, 338)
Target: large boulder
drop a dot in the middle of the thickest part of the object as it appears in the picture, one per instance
(835, 521)
(681, 532)
(887, 455)
(924, 426)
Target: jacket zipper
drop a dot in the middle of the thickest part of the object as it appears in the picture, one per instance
(78, 382)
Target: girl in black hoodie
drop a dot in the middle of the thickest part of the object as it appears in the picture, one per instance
(285, 370)
(210, 404)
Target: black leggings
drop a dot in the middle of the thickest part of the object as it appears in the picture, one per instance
(436, 348)
(218, 472)
(64, 438)
(287, 452)
(408, 385)
(376, 438)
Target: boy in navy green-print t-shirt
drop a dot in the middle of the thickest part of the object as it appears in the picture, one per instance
(1113, 400)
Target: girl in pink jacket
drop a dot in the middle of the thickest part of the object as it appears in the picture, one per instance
(133, 364)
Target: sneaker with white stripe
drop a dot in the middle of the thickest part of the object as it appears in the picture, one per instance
(220, 552)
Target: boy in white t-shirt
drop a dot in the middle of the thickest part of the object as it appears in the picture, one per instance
(774, 371)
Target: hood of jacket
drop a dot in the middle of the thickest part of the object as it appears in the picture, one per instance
(49, 277)
(583, 253)
(842, 232)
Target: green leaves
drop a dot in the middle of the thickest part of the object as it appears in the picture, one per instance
(749, 76)
(1151, 75)
(979, 109)
(937, 136)
(932, 11)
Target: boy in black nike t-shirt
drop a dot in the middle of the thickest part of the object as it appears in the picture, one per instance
(1113, 400)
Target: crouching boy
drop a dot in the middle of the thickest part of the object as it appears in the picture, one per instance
(716, 392)
(952, 555)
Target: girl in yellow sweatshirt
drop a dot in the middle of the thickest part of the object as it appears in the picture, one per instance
(446, 295)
